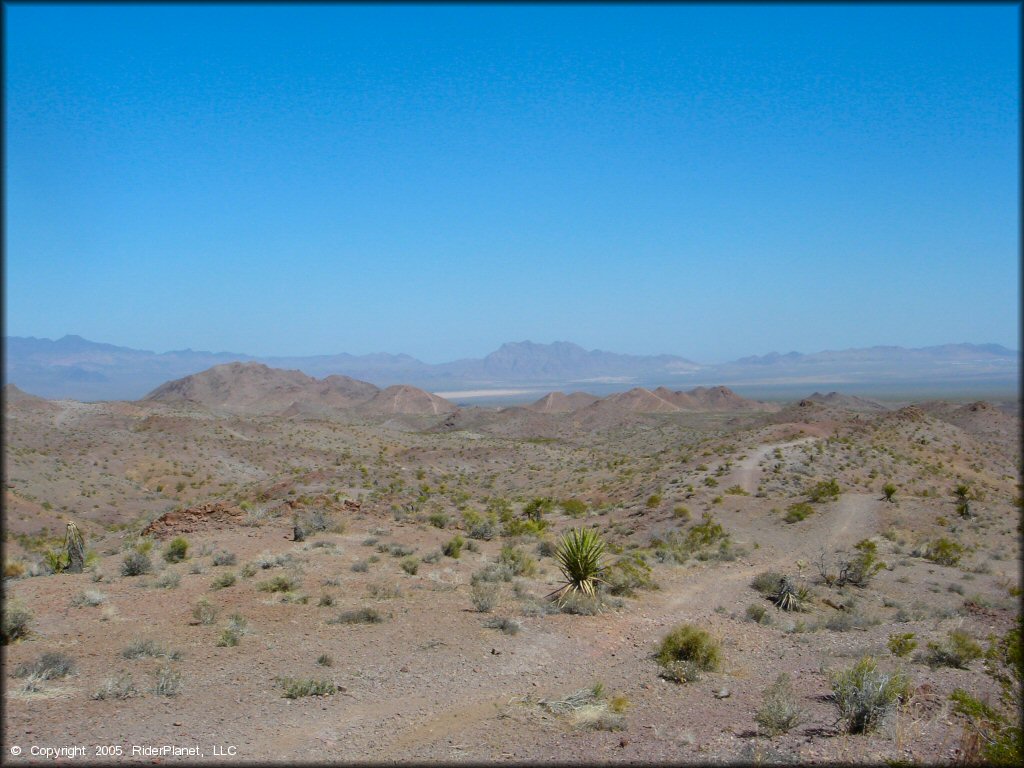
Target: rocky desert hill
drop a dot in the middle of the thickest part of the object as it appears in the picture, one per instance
(257, 388)
(403, 399)
(560, 402)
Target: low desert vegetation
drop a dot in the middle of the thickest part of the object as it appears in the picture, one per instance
(204, 612)
(146, 648)
(958, 649)
(136, 563)
(863, 695)
(579, 559)
(177, 550)
(687, 651)
(52, 665)
(168, 682)
(901, 644)
(993, 733)
(297, 688)
(16, 620)
(779, 711)
(116, 687)
(358, 616)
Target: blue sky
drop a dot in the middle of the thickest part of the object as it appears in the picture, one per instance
(711, 181)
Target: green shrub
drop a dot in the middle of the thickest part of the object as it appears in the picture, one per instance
(580, 604)
(681, 513)
(779, 712)
(653, 501)
(767, 582)
(863, 696)
(358, 616)
(177, 550)
(139, 648)
(573, 507)
(279, 583)
(758, 614)
(944, 552)
(15, 622)
(901, 644)
(958, 650)
(223, 580)
(687, 650)
(506, 625)
(889, 492)
(857, 569)
(224, 558)
(204, 612)
(295, 688)
(520, 563)
(484, 596)
(49, 666)
(120, 687)
(438, 519)
(167, 683)
(705, 533)
(826, 490)
(453, 547)
(537, 508)
(797, 512)
(136, 563)
(410, 565)
(1000, 737)
(628, 574)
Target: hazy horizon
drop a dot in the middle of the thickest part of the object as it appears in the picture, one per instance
(493, 348)
(437, 180)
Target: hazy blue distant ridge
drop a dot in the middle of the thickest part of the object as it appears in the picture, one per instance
(73, 367)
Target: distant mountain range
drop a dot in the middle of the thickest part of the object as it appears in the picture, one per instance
(73, 367)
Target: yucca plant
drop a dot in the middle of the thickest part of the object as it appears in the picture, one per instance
(789, 596)
(579, 558)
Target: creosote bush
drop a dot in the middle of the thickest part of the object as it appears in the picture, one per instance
(944, 552)
(958, 650)
(15, 621)
(204, 612)
(358, 616)
(901, 644)
(826, 490)
(177, 550)
(453, 547)
(863, 696)
(51, 665)
(136, 563)
(484, 595)
(295, 688)
(686, 651)
(779, 712)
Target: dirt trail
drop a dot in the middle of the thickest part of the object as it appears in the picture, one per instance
(685, 593)
(747, 474)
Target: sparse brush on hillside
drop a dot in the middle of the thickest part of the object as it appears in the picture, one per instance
(863, 695)
(994, 733)
(16, 618)
(686, 651)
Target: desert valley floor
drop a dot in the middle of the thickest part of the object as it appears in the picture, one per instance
(415, 605)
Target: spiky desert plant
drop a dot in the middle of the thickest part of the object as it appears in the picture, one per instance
(789, 596)
(579, 558)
